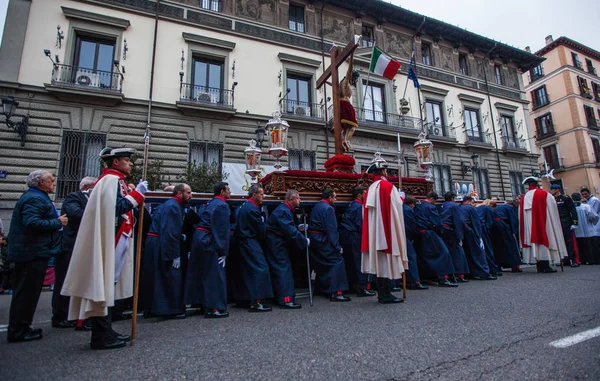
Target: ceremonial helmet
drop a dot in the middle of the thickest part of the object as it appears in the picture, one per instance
(111, 153)
(377, 164)
(531, 180)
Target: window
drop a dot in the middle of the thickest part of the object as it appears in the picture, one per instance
(472, 124)
(509, 135)
(442, 178)
(551, 157)
(482, 182)
(590, 66)
(583, 87)
(544, 126)
(596, 145)
(536, 72)
(206, 153)
(374, 104)
(79, 159)
(298, 99)
(211, 5)
(94, 62)
(576, 61)
(367, 37)
(590, 116)
(498, 74)
(426, 54)
(207, 81)
(302, 160)
(596, 90)
(539, 97)
(297, 18)
(463, 64)
(516, 183)
(433, 111)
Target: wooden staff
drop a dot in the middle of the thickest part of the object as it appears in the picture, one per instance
(400, 160)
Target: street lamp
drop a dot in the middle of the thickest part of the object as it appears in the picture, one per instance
(278, 128)
(9, 106)
(423, 148)
(260, 135)
(466, 168)
(253, 158)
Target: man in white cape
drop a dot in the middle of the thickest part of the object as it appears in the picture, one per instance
(540, 228)
(101, 267)
(383, 243)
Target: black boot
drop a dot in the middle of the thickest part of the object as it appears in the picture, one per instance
(384, 292)
(545, 267)
(102, 337)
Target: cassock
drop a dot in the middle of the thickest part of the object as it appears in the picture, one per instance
(350, 238)
(434, 257)
(473, 243)
(251, 234)
(163, 284)
(383, 237)
(206, 281)
(235, 287)
(486, 216)
(587, 218)
(282, 237)
(541, 233)
(453, 234)
(411, 230)
(568, 217)
(505, 229)
(325, 249)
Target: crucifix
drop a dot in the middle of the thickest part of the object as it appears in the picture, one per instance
(338, 56)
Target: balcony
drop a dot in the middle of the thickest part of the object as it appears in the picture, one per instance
(537, 104)
(195, 99)
(441, 133)
(305, 112)
(398, 123)
(479, 141)
(512, 144)
(543, 135)
(74, 83)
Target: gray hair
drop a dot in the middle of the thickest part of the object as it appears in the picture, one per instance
(178, 188)
(290, 194)
(254, 188)
(88, 180)
(33, 179)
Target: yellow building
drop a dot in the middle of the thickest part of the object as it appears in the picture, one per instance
(564, 92)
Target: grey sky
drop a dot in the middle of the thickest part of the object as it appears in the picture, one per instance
(3, 6)
(519, 23)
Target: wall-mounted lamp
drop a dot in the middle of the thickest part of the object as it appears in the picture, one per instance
(466, 167)
(59, 37)
(233, 69)
(48, 54)
(9, 106)
(233, 86)
(182, 59)
(125, 49)
(260, 134)
(279, 76)
(180, 80)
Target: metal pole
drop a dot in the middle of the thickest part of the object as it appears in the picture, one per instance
(310, 294)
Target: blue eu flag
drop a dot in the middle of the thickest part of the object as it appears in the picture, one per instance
(412, 75)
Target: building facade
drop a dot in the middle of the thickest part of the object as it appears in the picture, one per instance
(85, 70)
(564, 92)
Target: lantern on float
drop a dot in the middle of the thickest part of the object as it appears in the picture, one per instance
(423, 149)
(278, 129)
(253, 157)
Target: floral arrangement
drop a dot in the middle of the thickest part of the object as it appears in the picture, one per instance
(343, 161)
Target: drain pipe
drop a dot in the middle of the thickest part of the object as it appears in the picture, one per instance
(324, 86)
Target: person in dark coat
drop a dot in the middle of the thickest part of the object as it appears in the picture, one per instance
(326, 251)
(486, 216)
(434, 257)
(206, 282)
(162, 274)
(73, 206)
(283, 237)
(413, 279)
(568, 221)
(251, 234)
(350, 239)
(505, 233)
(473, 242)
(34, 237)
(453, 234)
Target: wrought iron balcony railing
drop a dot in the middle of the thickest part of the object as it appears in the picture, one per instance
(78, 77)
(210, 96)
(478, 139)
(512, 143)
(302, 109)
(388, 119)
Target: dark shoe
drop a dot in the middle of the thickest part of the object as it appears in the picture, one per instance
(121, 316)
(389, 299)
(339, 298)
(178, 316)
(32, 334)
(497, 274)
(259, 307)
(216, 314)
(85, 326)
(364, 292)
(111, 343)
(417, 286)
(548, 270)
(291, 305)
(64, 324)
(120, 337)
(446, 283)
(490, 277)
(574, 264)
(462, 279)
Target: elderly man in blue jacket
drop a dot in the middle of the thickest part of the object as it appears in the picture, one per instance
(34, 237)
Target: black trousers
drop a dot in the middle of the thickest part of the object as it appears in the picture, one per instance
(102, 328)
(60, 303)
(568, 235)
(28, 278)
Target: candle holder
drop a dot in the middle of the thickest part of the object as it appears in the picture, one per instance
(278, 129)
(253, 158)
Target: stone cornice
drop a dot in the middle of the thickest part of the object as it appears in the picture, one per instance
(78, 14)
(434, 90)
(299, 60)
(203, 40)
(470, 98)
(505, 106)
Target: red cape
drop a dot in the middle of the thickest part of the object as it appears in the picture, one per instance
(538, 219)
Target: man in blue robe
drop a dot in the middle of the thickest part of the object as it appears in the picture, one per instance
(162, 274)
(350, 239)
(473, 242)
(505, 235)
(206, 281)
(486, 215)
(410, 227)
(453, 234)
(251, 234)
(326, 251)
(284, 237)
(434, 257)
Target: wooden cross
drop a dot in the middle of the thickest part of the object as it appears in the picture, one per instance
(338, 56)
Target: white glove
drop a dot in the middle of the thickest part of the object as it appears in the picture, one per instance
(481, 244)
(221, 261)
(460, 242)
(402, 195)
(341, 251)
(183, 237)
(573, 227)
(142, 187)
(307, 241)
(176, 263)
(302, 227)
